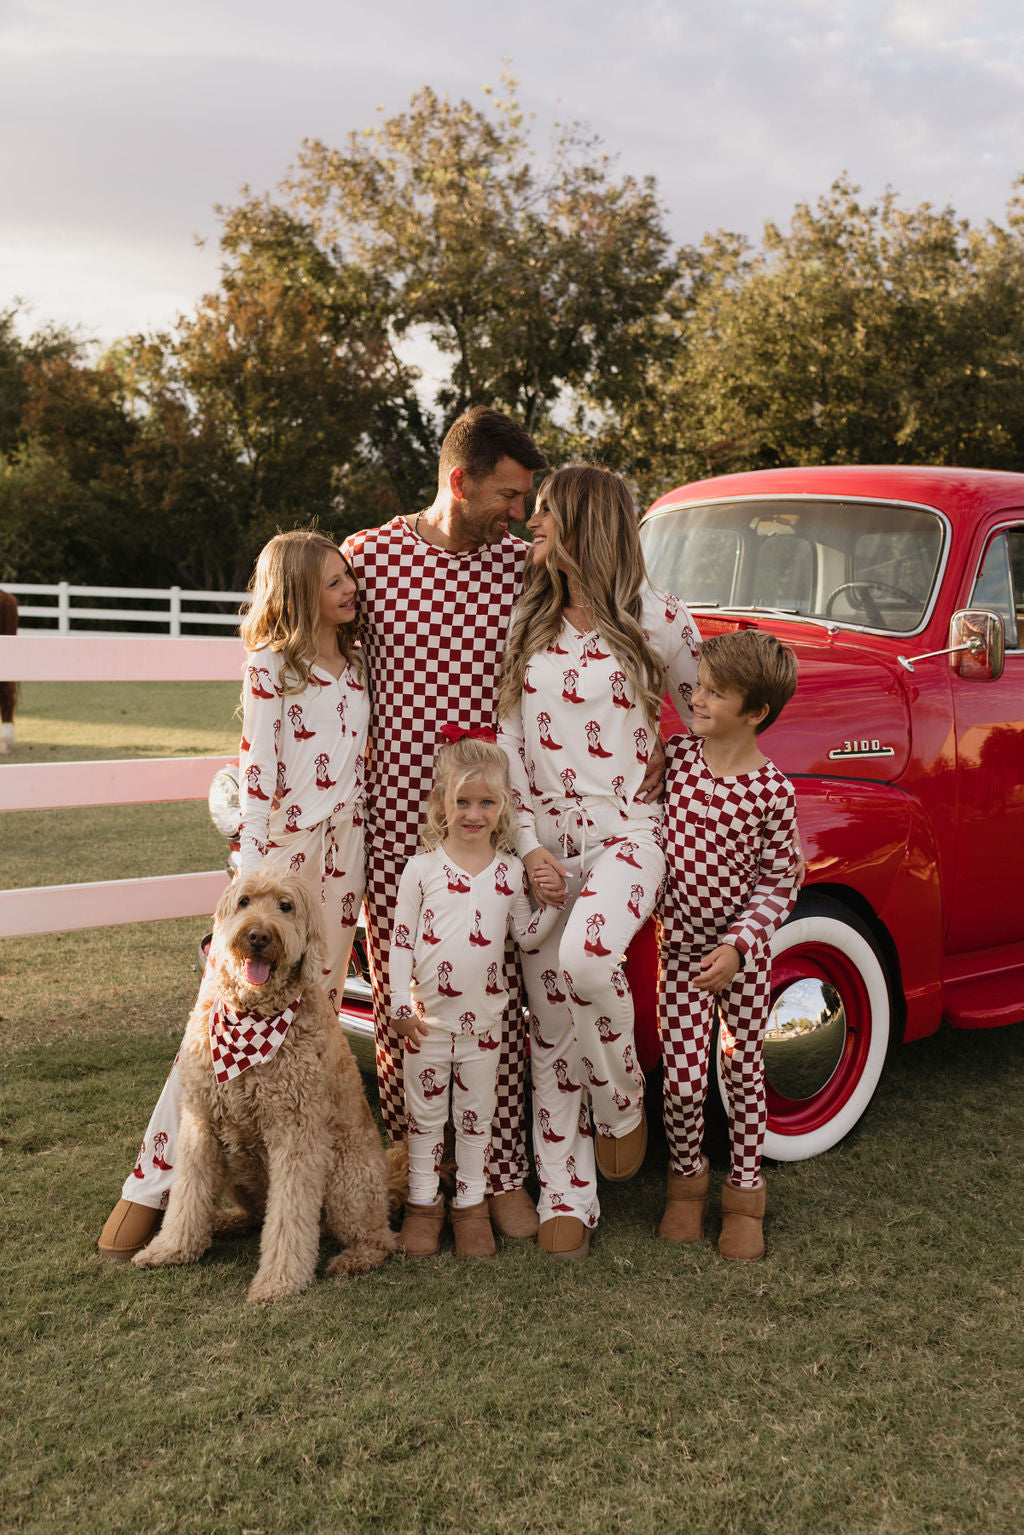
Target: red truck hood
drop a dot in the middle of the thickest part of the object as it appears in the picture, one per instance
(849, 718)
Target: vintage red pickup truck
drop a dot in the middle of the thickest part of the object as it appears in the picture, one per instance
(901, 590)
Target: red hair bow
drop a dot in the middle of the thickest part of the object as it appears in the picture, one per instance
(453, 733)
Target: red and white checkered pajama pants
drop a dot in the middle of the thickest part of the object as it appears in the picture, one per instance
(507, 1163)
(469, 1062)
(686, 1016)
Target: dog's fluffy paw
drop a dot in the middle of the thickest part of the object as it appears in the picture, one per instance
(157, 1255)
(273, 1287)
(363, 1256)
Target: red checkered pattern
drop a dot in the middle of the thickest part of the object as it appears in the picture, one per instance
(686, 1017)
(433, 627)
(731, 850)
(241, 1040)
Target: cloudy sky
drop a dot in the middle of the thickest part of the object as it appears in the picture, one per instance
(122, 122)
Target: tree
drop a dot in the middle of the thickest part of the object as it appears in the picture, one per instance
(263, 409)
(64, 492)
(17, 356)
(532, 277)
(864, 333)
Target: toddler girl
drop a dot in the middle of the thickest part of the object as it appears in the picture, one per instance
(455, 902)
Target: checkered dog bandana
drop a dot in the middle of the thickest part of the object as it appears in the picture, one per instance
(241, 1040)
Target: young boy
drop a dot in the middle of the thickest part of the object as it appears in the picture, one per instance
(730, 824)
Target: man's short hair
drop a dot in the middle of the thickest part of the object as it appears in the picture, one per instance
(755, 664)
(480, 438)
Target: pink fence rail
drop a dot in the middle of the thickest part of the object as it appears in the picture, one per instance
(111, 658)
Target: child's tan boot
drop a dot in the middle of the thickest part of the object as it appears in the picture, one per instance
(420, 1235)
(564, 1237)
(129, 1228)
(686, 1205)
(471, 1228)
(742, 1214)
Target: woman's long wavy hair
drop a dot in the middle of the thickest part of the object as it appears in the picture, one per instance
(284, 610)
(597, 544)
(455, 765)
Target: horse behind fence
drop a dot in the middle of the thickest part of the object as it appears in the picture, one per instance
(8, 690)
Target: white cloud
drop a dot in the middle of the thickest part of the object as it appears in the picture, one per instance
(122, 123)
(916, 23)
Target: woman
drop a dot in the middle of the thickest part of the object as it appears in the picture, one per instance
(591, 649)
(305, 714)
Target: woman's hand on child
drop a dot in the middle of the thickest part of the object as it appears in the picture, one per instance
(718, 969)
(546, 876)
(410, 1028)
(653, 787)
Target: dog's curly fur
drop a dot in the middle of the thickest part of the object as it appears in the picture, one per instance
(290, 1137)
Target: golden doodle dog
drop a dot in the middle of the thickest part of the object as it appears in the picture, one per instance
(273, 1110)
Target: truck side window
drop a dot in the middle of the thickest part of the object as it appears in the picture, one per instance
(1015, 541)
(1000, 582)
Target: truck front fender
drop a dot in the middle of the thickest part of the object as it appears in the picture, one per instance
(872, 845)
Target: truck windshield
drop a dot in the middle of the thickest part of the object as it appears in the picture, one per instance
(859, 564)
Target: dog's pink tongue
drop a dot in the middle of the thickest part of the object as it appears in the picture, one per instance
(257, 971)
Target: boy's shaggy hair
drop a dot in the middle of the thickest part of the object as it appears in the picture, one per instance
(755, 664)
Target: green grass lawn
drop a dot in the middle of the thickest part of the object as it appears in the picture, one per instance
(868, 1376)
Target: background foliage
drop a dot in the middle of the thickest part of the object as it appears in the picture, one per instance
(865, 332)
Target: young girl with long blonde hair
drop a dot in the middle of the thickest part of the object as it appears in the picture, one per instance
(591, 649)
(456, 902)
(305, 714)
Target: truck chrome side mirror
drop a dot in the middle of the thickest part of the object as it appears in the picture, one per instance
(977, 646)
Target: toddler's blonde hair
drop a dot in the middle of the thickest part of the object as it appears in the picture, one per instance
(456, 764)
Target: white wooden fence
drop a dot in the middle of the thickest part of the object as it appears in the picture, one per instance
(178, 608)
(41, 787)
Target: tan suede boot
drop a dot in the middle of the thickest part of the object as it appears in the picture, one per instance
(128, 1229)
(471, 1227)
(513, 1214)
(742, 1214)
(564, 1237)
(686, 1205)
(420, 1235)
(621, 1159)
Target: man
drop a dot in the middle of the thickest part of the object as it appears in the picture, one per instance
(436, 590)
